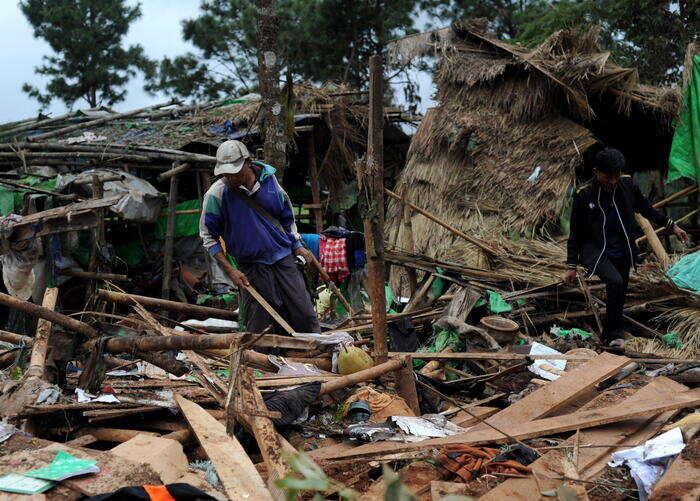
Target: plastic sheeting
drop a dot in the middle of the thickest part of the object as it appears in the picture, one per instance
(686, 272)
(684, 160)
(142, 203)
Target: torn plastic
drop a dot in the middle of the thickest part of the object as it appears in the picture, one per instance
(18, 259)
(536, 367)
(142, 203)
(648, 462)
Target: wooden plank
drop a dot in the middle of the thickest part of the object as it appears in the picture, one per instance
(559, 393)
(233, 466)
(540, 427)
(266, 436)
(550, 465)
(681, 482)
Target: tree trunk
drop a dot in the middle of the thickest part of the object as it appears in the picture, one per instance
(268, 78)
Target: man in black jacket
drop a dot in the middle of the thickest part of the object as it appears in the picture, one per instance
(603, 233)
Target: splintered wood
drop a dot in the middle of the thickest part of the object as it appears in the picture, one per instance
(233, 466)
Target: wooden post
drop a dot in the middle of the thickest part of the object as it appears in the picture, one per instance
(370, 179)
(169, 236)
(654, 241)
(313, 179)
(265, 434)
(406, 385)
(408, 247)
(37, 361)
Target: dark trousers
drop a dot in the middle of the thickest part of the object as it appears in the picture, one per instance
(282, 285)
(614, 273)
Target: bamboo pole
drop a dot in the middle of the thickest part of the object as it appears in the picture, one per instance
(200, 342)
(105, 157)
(270, 310)
(371, 200)
(173, 172)
(21, 186)
(94, 276)
(11, 337)
(146, 152)
(408, 246)
(679, 194)
(361, 376)
(95, 123)
(52, 316)
(37, 361)
(169, 239)
(313, 179)
(654, 241)
(174, 306)
(679, 220)
(476, 241)
(69, 323)
(36, 124)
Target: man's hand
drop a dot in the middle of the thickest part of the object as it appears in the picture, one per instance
(570, 277)
(306, 254)
(680, 233)
(238, 277)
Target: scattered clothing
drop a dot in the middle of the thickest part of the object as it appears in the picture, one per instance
(311, 243)
(170, 492)
(469, 462)
(334, 257)
(292, 404)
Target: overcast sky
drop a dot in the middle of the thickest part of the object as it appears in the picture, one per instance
(158, 31)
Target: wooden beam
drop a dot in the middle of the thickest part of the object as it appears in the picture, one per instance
(233, 466)
(175, 306)
(371, 202)
(550, 465)
(37, 361)
(313, 180)
(169, 240)
(540, 427)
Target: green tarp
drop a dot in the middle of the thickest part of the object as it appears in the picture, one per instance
(684, 160)
(686, 272)
(185, 224)
(12, 199)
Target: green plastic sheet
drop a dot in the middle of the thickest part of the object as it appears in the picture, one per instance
(12, 199)
(686, 272)
(684, 160)
(185, 224)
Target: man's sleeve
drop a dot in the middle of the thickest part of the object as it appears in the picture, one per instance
(573, 245)
(211, 222)
(644, 207)
(286, 217)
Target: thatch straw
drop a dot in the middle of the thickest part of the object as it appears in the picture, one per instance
(503, 111)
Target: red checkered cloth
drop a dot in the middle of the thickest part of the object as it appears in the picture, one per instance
(334, 257)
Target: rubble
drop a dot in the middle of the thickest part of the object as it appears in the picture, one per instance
(126, 349)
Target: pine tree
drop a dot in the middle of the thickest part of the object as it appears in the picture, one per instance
(90, 62)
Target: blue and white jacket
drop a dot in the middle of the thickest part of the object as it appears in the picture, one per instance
(249, 238)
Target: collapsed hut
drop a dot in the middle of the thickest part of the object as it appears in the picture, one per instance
(496, 160)
(513, 133)
(159, 160)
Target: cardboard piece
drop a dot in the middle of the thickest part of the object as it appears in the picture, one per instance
(164, 455)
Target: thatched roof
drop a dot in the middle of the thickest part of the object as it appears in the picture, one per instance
(504, 111)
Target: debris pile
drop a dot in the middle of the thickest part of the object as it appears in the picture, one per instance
(475, 371)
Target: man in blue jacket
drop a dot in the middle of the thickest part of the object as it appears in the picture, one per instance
(603, 232)
(252, 215)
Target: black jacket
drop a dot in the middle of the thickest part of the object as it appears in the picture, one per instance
(586, 242)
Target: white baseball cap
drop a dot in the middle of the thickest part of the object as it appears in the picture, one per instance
(230, 157)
